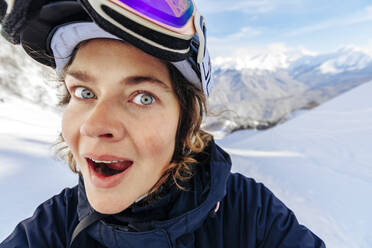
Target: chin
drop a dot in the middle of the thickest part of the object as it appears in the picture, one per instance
(104, 209)
(102, 206)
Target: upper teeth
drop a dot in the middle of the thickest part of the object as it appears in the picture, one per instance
(105, 162)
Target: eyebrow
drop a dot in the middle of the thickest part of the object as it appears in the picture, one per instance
(81, 76)
(132, 80)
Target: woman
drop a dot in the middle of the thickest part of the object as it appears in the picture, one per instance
(149, 176)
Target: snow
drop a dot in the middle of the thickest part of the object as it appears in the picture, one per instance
(346, 59)
(319, 164)
(274, 57)
(28, 174)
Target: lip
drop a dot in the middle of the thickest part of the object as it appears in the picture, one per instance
(98, 180)
(105, 157)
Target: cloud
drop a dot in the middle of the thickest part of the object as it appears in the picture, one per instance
(246, 6)
(258, 37)
(362, 16)
(229, 43)
(244, 32)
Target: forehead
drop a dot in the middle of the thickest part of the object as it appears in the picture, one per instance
(109, 59)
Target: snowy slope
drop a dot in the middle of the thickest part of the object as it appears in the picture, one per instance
(320, 165)
(28, 174)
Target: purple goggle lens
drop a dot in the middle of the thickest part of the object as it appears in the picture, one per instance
(174, 13)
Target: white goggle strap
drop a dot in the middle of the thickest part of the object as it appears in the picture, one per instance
(203, 58)
(206, 74)
(199, 23)
(10, 5)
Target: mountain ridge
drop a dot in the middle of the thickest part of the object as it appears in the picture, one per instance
(263, 94)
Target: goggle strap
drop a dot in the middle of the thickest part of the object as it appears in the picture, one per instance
(199, 23)
(206, 74)
(203, 58)
(10, 6)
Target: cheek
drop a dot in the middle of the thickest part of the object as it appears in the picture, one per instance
(160, 139)
(69, 128)
(159, 145)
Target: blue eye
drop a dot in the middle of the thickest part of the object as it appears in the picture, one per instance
(144, 99)
(84, 93)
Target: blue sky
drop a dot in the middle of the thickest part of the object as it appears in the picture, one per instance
(316, 25)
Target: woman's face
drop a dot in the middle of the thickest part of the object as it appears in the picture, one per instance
(120, 123)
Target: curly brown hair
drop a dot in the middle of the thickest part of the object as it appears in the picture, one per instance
(190, 138)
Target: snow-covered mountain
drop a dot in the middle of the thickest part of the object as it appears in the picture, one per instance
(259, 90)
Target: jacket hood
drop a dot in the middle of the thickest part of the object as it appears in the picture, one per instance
(161, 223)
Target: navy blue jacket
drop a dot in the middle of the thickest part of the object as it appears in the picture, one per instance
(219, 209)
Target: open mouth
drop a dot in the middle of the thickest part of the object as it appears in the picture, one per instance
(108, 168)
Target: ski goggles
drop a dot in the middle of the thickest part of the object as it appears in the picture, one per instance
(163, 28)
(167, 13)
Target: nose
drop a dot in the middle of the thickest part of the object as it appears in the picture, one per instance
(103, 123)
